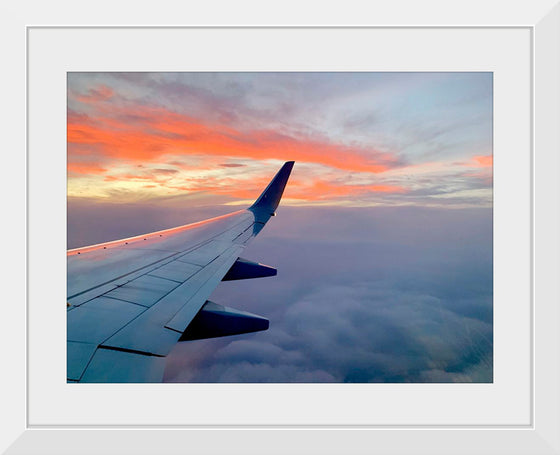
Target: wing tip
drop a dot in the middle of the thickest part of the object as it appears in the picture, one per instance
(270, 197)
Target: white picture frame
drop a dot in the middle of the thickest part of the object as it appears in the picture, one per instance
(539, 435)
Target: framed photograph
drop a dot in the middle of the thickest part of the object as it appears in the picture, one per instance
(505, 400)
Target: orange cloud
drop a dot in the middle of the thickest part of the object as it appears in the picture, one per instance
(484, 161)
(483, 168)
(317, 190)
(321, 190)
(125, 177)
(147, 134)
(85, 168)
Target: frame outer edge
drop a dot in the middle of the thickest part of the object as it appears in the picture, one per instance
(547, 420)
(546, 232)
(14, 204)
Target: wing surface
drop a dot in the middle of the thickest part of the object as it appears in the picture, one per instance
(130, 301)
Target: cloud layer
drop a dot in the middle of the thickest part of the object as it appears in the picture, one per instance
(368, 295)
(362, 295)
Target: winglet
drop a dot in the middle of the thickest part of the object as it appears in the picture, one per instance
(270, 197)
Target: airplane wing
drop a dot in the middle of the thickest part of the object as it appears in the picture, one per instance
(131, 300)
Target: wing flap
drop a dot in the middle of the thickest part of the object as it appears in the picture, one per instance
(146, 335)
(78, 356)
(109, 365)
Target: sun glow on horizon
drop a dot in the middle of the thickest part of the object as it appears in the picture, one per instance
(135, 136)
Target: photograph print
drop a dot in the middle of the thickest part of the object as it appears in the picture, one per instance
(280, 227)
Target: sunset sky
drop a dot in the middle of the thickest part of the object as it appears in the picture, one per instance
(383, 240)
(358, 139)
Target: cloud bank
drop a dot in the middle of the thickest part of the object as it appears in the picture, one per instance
(362, 295)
